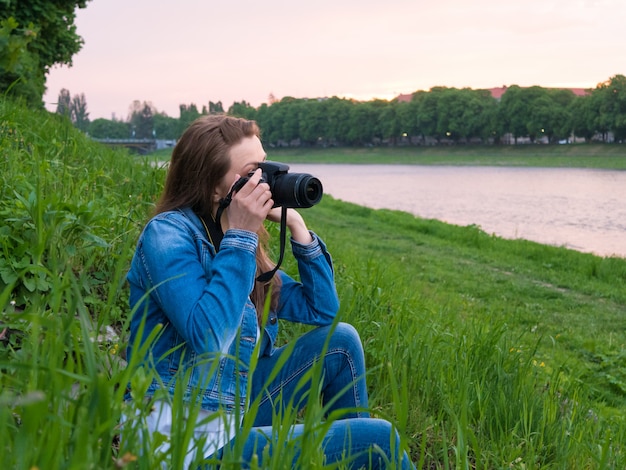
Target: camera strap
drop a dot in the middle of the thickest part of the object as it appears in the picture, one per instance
(268, 275)
(224, 203)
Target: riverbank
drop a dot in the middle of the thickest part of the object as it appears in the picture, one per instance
(485, 352)
(606, 156)
(601, 156)
(470, 323)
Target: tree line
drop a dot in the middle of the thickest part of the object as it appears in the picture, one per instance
(143, 121)
(37, 34)
(440, 115)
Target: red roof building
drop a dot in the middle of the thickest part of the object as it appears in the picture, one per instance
(498, 92)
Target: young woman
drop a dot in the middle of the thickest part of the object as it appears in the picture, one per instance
(195, 273)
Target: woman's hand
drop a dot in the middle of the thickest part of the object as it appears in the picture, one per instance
(295, 223)
(249, 206)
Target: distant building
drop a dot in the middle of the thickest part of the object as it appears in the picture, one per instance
(404, 98)
(499, 91)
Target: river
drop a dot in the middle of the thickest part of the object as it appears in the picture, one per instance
(581, 209)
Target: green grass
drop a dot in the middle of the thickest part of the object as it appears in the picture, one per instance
(500, 342)
(486, 353)
(608, 156)
(605, 156)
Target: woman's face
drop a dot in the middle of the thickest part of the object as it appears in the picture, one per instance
(245, 157)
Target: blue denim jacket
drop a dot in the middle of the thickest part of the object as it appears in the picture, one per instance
(201, 300)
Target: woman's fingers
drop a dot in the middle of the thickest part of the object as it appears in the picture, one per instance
(250, 204)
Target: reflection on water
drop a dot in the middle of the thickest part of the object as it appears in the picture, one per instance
(577, 208)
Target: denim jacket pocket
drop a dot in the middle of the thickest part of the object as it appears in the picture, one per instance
(271, 331)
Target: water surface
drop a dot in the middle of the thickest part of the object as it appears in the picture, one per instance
(582, 209)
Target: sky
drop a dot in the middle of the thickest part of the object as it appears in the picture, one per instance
(195, 51)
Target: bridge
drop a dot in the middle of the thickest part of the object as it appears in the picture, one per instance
(141, 146)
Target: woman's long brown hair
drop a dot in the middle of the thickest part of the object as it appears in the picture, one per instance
(201, 158)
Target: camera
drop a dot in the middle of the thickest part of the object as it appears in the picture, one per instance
(291, 190)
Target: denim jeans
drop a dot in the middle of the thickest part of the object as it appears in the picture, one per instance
(367, 442)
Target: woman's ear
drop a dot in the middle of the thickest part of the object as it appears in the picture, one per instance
(215, 198)
(219, 191)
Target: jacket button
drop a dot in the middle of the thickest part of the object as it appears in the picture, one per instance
(273, 320)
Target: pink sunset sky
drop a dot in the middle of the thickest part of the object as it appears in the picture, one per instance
(196, 51)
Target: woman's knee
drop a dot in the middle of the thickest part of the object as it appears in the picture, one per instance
(347, 339)
(346, 336)
(338, 337)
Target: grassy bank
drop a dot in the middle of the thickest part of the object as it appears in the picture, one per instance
(607, 156)
(604, 156)
(486, 353)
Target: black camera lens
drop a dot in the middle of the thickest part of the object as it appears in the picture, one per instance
(297, 190)
(308, 191)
